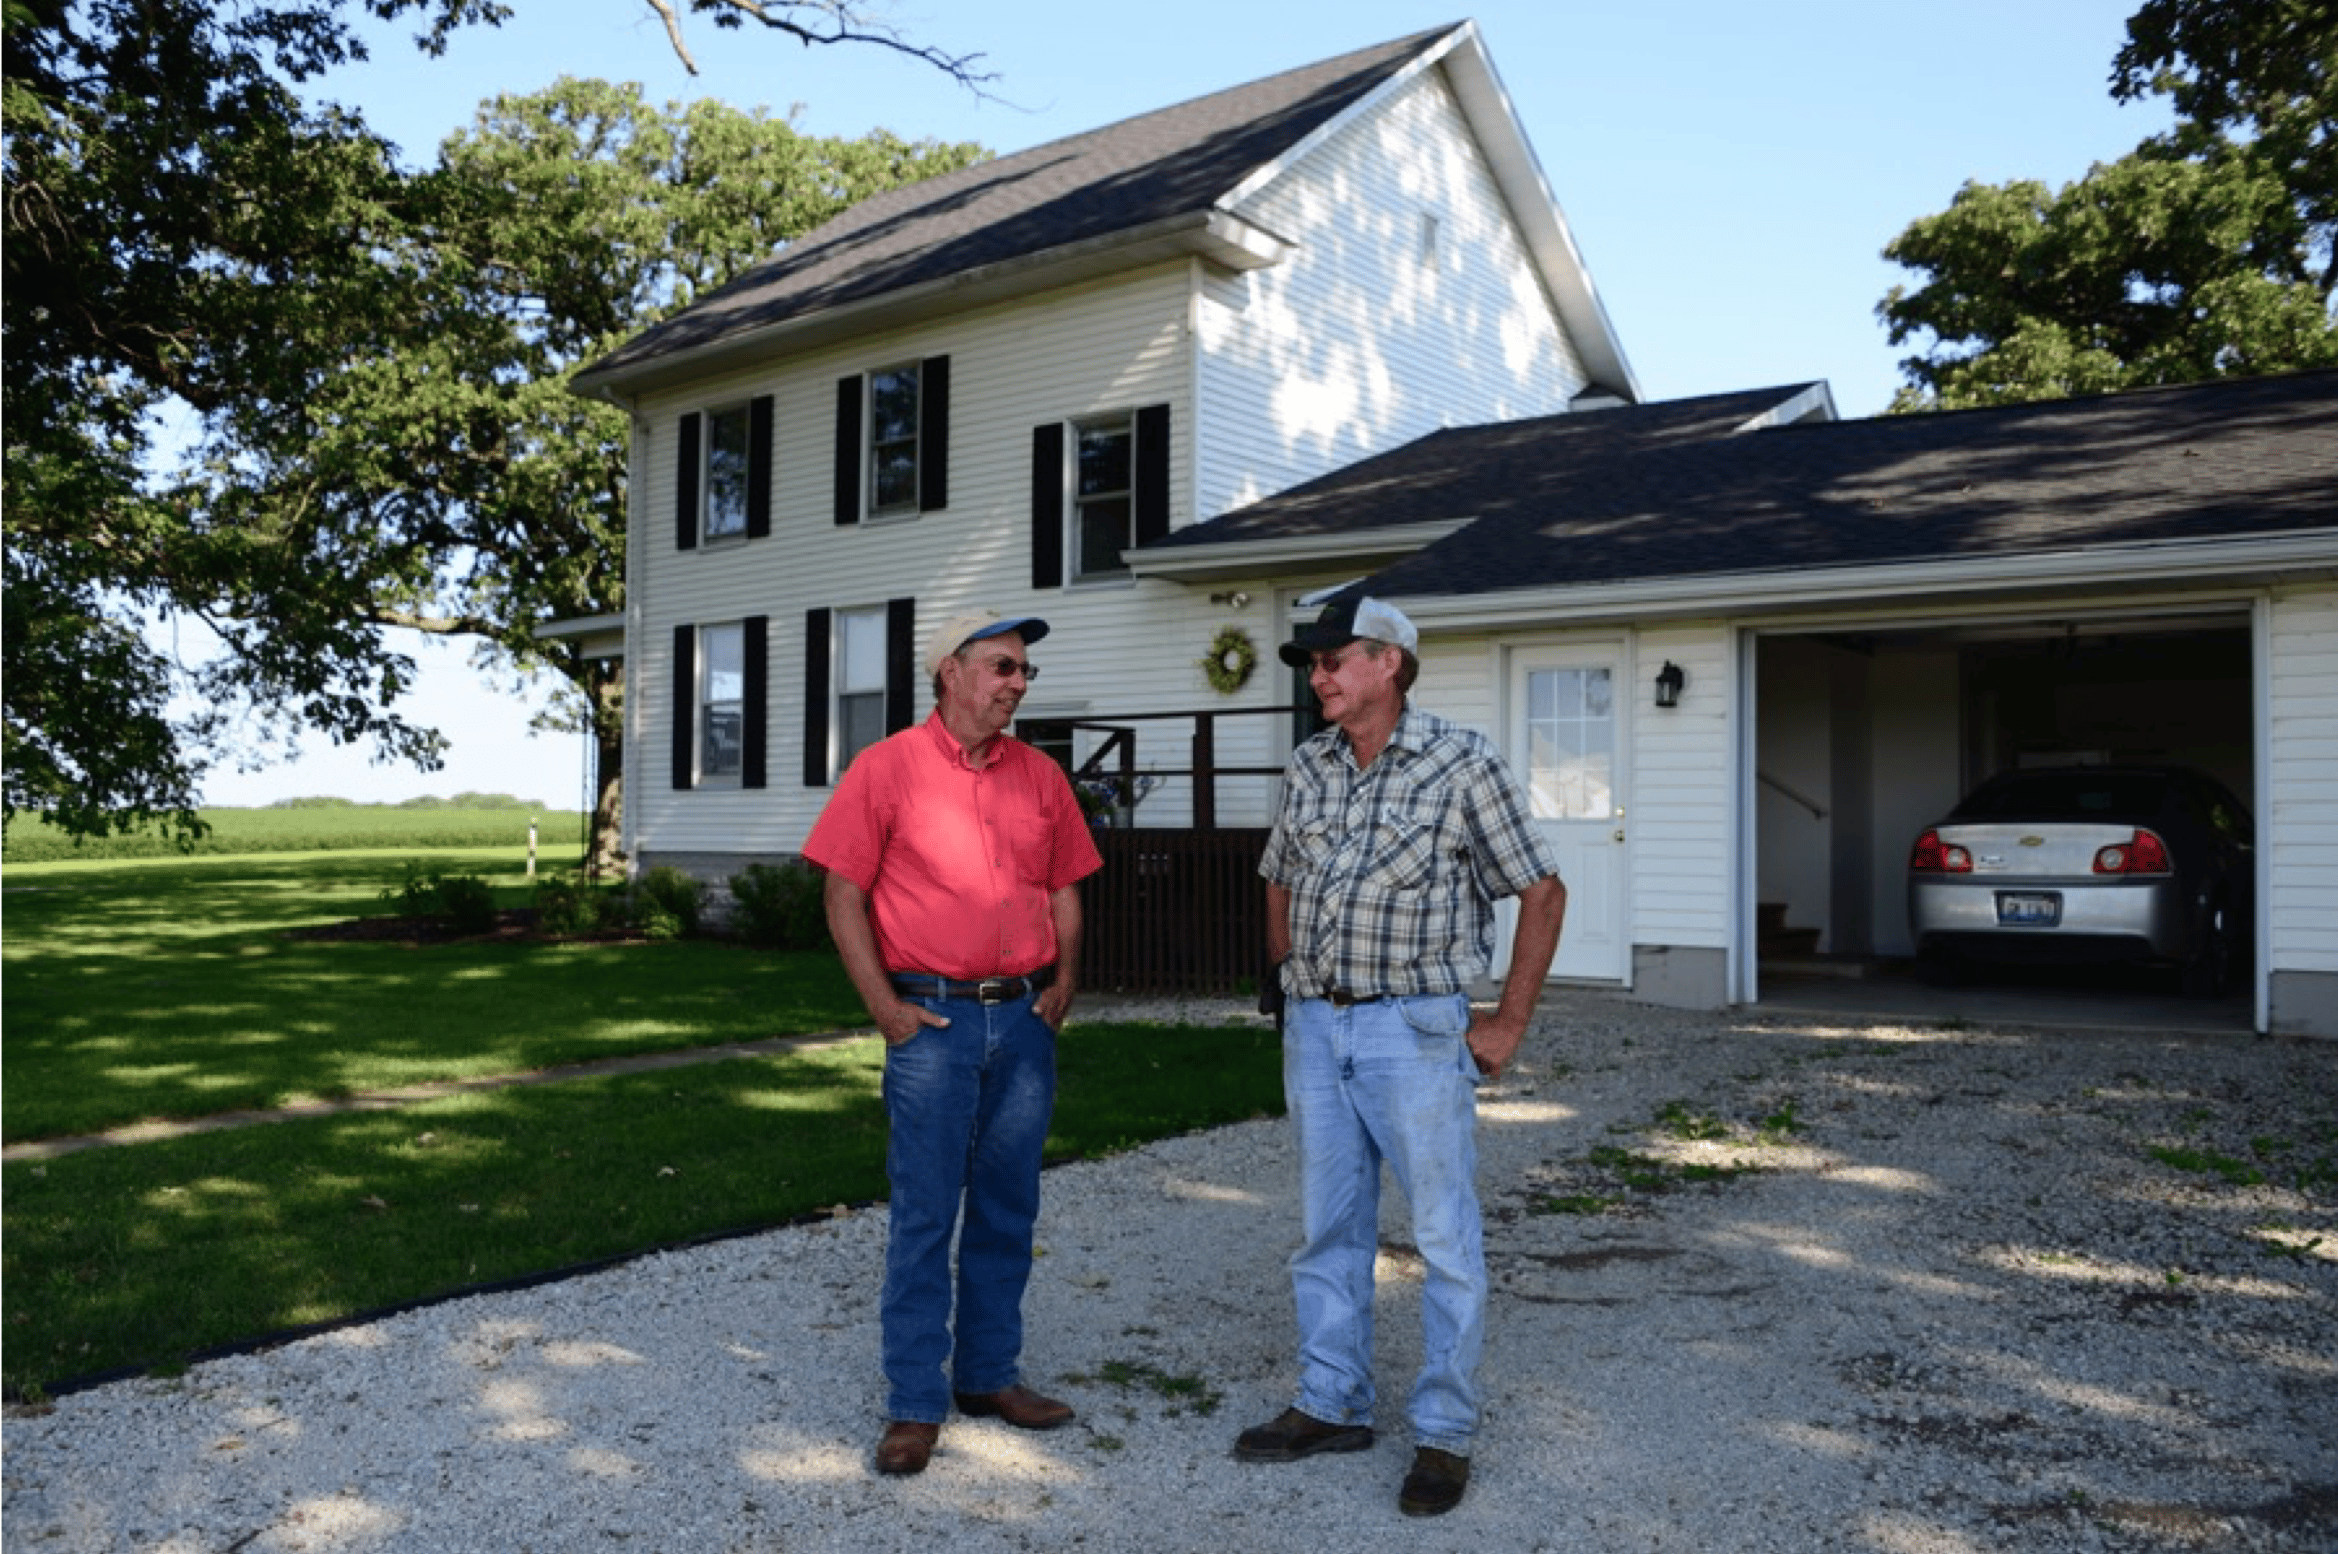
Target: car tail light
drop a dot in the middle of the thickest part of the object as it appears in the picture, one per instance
(1934, 856)
(2142, 853)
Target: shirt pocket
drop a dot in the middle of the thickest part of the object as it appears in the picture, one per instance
(1405, 847)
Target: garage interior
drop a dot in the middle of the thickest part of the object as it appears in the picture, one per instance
(1865, 736)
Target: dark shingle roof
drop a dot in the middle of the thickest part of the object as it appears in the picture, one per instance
(1662, 490)
(1086, 188)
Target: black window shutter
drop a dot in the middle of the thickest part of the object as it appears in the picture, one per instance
(754, 715)
(933, 434)
(848, 449)
(901, 665)
(686, 483)
(1152, 473)
(759, 418)
(685, 705)
(815, 698)
(1047, 505)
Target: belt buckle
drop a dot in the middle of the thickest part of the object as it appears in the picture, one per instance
(996, 990)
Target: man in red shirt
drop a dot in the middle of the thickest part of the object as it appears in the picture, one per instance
(954, 853)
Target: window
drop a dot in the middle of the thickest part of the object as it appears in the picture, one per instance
(726, 474)
(722, 474)
(860, 682)
(1103, 504)
(1431, 242)
(893, 441)
(722, 694)
(1571, 740)
(1099, 486)
(719, 721)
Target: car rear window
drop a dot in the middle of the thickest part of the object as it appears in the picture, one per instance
(2066, 796)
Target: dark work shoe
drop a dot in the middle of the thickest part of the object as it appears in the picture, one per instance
(1018, 1406)
(906, 1447)
(1435, 1484)
(1291, 1435)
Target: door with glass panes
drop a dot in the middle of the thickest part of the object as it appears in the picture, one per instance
(1566, 747)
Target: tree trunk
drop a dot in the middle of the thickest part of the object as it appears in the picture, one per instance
(605, 688)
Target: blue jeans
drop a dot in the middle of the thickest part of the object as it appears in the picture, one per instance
(1391, 1080)
(967, 1108)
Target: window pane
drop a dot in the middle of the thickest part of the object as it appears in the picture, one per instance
(726, 473)
(860, 723)
(1570, 735)
(893, 405)
(1105, 452)
(1104, 531)
(860, 658)
(895, 477)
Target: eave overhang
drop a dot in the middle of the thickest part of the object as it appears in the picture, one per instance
(1214, 236)
(2104, 570)
(1353, 548)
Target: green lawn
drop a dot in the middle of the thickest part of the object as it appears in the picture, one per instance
(170, 989)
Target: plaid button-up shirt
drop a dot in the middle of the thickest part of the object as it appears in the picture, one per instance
(1394, 870)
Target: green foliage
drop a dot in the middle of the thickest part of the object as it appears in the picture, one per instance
(667, 903)
(370, 365)
(2206, 252)
(464, 900)
(780, 907)
(570, 904)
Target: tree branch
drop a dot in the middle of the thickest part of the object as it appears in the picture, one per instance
(829, 21)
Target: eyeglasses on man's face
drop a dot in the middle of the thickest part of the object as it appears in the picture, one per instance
(1329, 663)
(1007, 668)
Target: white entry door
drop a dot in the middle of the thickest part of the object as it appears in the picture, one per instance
(1567, 746)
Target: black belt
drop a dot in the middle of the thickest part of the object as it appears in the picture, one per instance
(1341, 998)
(990, 990)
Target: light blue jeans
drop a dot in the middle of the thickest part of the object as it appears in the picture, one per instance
(967, 1108)
(1391, 1080)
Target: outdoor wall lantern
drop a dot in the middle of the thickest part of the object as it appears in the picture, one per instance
(1669, 681)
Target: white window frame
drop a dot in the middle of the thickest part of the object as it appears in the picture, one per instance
(723, 500)
(874, 447)
(722, 691)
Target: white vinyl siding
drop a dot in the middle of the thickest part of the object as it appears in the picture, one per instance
(1677, 810)
(1082, 353)
(2299, 831)
(1356, 345)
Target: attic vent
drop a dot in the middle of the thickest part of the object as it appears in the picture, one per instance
(1430, 242)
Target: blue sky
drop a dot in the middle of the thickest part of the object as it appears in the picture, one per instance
(1731, 173)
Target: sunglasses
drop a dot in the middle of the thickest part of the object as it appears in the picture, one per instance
(1007, 668)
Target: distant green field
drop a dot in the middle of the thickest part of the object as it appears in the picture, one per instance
(338, 828)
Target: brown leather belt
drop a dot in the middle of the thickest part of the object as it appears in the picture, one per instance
(989, 990)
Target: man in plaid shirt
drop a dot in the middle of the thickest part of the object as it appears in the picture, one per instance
(1398, 832)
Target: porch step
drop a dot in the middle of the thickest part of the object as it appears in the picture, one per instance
(1775, 939)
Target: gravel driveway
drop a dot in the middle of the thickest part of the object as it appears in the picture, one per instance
(1761, 1284)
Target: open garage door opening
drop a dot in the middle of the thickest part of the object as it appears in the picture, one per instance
(1865, 738)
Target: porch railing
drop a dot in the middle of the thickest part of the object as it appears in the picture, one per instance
(1175, 909)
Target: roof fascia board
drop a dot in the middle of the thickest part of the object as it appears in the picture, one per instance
(1818, 399)
(1219, 237)
(2312, 555)
(1262, 558)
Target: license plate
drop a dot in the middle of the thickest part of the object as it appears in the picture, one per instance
(2034, 910)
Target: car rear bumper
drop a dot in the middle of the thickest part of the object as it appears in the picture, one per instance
(2123, 920)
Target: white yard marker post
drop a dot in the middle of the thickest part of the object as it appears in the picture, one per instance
(531, 847)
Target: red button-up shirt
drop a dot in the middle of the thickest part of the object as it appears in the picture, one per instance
(958, 863)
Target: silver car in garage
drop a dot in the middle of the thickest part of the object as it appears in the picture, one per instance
(2149, 865)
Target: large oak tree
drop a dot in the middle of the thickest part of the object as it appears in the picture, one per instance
(263, 378)
(2206, 252)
